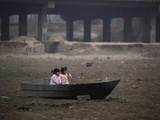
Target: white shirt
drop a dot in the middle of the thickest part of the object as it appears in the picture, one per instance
(55, 80)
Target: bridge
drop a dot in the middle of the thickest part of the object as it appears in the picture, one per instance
(86, 10)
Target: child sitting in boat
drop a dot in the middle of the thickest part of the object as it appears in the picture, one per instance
(65, 76)
(55, 79)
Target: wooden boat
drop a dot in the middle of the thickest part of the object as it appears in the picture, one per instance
(94, 90)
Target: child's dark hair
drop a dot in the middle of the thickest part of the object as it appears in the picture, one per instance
(63, 69)
(55, 71)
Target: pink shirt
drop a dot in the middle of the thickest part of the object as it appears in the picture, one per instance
(64, 79)
(55, 80)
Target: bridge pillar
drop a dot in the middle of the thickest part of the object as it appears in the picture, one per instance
(23, 24)
(128, 29)
(5, 28)
(106, 30)
(146, 30)
(69, 30)
(158, 29)
(87, 30)
(42, 25)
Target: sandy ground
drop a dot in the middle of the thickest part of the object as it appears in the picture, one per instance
(135, 98)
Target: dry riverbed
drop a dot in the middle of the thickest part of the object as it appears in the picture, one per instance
(135, 98)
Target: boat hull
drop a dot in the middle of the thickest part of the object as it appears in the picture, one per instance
(94, 90)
